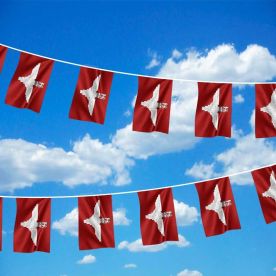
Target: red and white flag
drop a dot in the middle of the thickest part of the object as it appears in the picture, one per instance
(1, 207)
(265, 183)
(96, 229)
(152, 106)
(265, 112)
(32, 225)
(217, 205)
(91, 95)
(214, 109)
(3, 52)
(157, 216)
(29, 82)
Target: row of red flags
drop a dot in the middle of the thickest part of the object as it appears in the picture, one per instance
(153, 103)
(157, 214)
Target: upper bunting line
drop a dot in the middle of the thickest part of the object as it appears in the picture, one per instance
(133, 74)
(142, 190)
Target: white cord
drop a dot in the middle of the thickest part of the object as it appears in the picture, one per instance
(136, 75)
(143, 190)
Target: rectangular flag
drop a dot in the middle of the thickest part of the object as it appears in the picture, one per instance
(3, 52)
(32, 225)
(29, 82)
(265, 183)
(217, 205)
(96, 227)
(153, 105)
(157, 216)
(214, 110)
(91, 95)
(1, 231)
(265, 110)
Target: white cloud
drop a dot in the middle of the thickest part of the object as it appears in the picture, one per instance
(119, 216)
(69, 223)
(88, 259)
(176, 54)
(274, 269)
(23, 163)
(239, 98)
(130, 266)
(155, 60)
(185, 215)
(222, 63)
(137, 246)
(247, 153)
(187, 272)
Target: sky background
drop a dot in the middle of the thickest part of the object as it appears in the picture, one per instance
(48, 154)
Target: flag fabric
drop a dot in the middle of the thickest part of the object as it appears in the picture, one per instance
(157, 216)
(29, 82)
(265, 183)
(1, 207)
(152, 106)
(32, 225)
(265, 110)
(214, 110)
(217, 205)
(3, 52)
(91, 95)
(96, 227)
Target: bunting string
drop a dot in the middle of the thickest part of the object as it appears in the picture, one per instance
(134, 74)
(143, 190)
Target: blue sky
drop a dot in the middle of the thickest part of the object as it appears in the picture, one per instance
(213, 42)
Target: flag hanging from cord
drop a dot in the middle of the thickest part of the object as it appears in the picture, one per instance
(91, 95)
(3, 52)
(265, 110)
(153, 105)
(265, 183)
(217, 205)
(157, 216)
(214, 110)
(32, 225)
(29, 82)
(96, 228)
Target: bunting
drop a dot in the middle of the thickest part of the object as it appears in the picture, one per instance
(153, 102)
(158, 222)
(32, 225)
(29, 82)
(3, 52)
(265, 183)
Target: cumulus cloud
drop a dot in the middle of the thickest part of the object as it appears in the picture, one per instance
(137, 246)
(130, 266)
(155, 59)
(238, 98)
(187, 272)
(69, 223)
(222, 63)
(23, 163)
(185, 215)
(247, 153)
(88, 259)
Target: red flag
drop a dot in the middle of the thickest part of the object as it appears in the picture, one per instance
(265, 182)
(3, 52)
(91, 95)
(1, 206)
(29, 82)
(96, 228)
(32, 225)
(265, 115)
(152, 106)
(217, 205)
(214, 109)
(157, 216)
